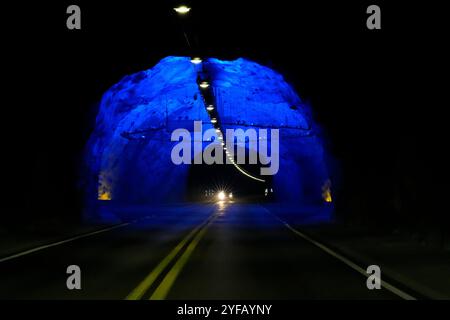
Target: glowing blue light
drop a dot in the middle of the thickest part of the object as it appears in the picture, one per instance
(151, 103)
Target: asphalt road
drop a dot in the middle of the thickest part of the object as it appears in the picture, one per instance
(204, 251)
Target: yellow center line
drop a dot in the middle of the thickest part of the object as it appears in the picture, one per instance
(142, 288)
(166, 284)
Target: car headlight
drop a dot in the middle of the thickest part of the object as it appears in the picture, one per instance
(221, 195)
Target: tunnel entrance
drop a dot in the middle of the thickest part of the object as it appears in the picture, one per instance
(128, 158)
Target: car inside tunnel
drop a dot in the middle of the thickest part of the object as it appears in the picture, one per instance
(206, 182)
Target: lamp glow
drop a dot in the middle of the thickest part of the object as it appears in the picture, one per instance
(204, 84)
(182, 9)
(196, 60)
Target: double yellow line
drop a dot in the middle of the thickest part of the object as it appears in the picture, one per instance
(166, 284)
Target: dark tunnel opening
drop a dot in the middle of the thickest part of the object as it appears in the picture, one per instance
(205, 182)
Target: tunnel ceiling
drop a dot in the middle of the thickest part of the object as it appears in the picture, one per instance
(128, 154)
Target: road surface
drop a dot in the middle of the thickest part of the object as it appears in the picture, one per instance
(193, 251)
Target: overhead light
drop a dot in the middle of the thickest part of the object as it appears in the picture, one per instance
(182, 9)
(204, 84)
(224, 148)
(210, 107)
(196, 60)
(213, 120)
(218, 130)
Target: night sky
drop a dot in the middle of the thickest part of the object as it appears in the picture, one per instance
(377, 95)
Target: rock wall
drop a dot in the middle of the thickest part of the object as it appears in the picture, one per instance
(128, 154)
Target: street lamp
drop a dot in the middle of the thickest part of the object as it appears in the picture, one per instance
(210, 107)
(182, 9)
(196, 60)
(204, 84)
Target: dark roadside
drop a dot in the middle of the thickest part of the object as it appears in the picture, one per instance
(410, 259)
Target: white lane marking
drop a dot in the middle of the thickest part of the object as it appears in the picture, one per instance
(23, 253)
(351, 264)
(54, 244)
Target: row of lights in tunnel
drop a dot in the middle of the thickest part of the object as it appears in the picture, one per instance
(204, 85)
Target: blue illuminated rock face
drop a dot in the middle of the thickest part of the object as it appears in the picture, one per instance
(129, 151)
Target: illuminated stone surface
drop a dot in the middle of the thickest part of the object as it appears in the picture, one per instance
(128, 156)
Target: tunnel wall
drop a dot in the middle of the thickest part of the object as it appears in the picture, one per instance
(128, 154)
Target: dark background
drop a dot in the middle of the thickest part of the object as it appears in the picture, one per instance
(378, 95)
